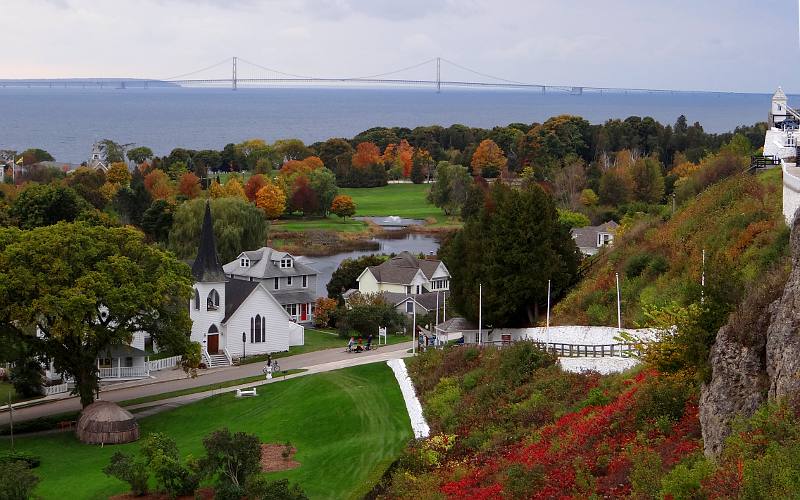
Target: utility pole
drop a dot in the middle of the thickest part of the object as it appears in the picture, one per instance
(703, 280)
(547, 329)
(619, 306)
(438, 75)
(480, 313)
(233, 80)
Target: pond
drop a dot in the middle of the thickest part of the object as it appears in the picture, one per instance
(413, 242)
(392, 222)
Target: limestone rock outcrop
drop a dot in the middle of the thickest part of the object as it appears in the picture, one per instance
(763, 365)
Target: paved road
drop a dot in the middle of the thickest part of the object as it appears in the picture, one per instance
(174, 381)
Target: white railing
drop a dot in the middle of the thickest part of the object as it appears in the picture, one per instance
(227, 356)
(162, 364)
(56, 389)
(124, 372)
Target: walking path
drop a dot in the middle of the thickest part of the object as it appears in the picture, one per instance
(175, 380)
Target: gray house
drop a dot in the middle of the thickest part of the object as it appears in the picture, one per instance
(292, 283)
(591, 239)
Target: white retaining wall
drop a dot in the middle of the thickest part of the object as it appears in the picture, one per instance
(584, 335)
(413, 406)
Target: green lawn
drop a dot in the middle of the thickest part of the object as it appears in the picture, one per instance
(317, 340)
(403, 200)
(330, 223)
(203, 388)
(347, 426)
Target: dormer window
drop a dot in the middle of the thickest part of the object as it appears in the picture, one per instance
(244, 262)
(286, 263)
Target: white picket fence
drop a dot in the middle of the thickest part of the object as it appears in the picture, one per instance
(162, 364)
(56, 389)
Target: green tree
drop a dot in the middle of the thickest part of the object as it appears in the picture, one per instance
(35, 155)
(114, 153)
(132, 201)
(323, 182)
(291, 149)
(344, 277)
(648, 180)
(43, 205)
(238, 226)
(232, 458)
(140, 154)
(519, 230)
(449, 189)
(335, 153)
(157, 220)
(17, 481)
(27, 377)
(86, 289)
(614, 188)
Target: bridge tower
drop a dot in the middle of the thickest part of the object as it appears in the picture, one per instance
(438, 75)
(234, 78)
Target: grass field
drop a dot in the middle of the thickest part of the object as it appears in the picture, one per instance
(403, 200)
(317, 340)
(347, 425)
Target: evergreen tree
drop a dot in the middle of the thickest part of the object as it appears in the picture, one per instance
(513, 246)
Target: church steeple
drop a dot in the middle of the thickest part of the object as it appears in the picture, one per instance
(206, 267)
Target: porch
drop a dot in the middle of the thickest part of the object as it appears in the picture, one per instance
(123, 362)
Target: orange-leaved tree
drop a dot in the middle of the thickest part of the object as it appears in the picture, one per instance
(189, 186)
(118, 173)
(272, 200)
(254, 185)
(488, 160)
(366, 154)
(158, 184)
(234, 189)
(405, 157)
(343, 206)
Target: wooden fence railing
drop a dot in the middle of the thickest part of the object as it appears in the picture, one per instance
(579, 350)
(161, 364)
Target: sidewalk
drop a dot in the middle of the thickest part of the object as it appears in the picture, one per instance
(313, 362)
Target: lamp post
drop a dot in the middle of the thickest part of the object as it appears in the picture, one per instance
(619, 306)
(480, 313)
(244, 345)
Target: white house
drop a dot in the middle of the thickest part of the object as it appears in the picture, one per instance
(292, 283)
(233, 317)
(405, 274)
(591, 239)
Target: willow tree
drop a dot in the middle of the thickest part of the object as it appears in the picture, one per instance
(88, 288)
(238, 226)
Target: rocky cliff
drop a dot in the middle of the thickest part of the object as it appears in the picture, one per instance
(756, 356)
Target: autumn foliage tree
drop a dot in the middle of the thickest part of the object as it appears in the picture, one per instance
(272, 200)
(303, 197)
(118, 174)
(158, 184)
(488, 160)
(189, 186)
(253, 186)
(366, 154)
(404, 157)
(343, 206)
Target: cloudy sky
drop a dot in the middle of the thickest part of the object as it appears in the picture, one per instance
(737, 45)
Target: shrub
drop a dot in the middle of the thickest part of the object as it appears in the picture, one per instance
(173, 476)
(26, 376)
(520, 360)
(127, 469)
(645, 475)
(262, 488)
(663, 398)
(598, 314)
(17, 481)
(232, 458)
(684, 481)
(30, 460)
(637, 264)
(471, 379)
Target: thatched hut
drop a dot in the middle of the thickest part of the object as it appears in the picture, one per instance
(104, 422)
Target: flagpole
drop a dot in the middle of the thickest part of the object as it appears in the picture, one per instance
(619, 307)
(480, 313)
(547, 329)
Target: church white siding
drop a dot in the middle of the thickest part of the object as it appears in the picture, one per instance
(277, 326)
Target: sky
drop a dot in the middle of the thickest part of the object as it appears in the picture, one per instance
(727, 45)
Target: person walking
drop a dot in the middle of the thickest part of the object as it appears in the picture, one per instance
(369, 342)
(350, 344)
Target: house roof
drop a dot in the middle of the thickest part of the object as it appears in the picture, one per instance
(457, 324)
(779, 95)
(206, 267)
(262, 267)
(426, 300)
(124, 350)
(293, 296)
(236, 292)
(586, 237)
(402, 268)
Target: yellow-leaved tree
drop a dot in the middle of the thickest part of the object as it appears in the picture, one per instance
(272, 200)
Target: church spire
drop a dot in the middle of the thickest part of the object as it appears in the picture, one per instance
(206, 267)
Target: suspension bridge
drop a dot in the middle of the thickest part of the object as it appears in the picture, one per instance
(241, 73)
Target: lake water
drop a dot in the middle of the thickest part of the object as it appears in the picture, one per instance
(415, 243)
(67, 121)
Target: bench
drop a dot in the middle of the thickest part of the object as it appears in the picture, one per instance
(246, 393)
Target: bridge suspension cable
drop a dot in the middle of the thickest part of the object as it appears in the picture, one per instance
(290, 75)
(179, 77)
(415, 66)
(483, 74)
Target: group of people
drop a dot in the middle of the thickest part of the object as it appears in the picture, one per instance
(354, 345)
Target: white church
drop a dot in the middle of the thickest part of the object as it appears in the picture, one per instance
(231, 317)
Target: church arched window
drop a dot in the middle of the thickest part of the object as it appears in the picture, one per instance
(212, 302)
(213, 329)
(258, 329)
(196, 299)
